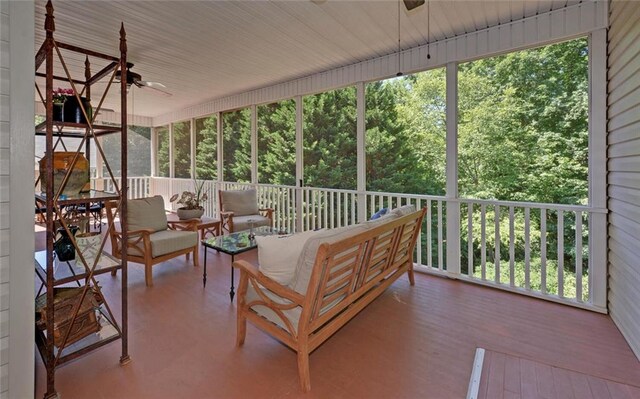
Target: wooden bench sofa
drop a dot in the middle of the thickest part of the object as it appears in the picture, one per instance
(338, 273)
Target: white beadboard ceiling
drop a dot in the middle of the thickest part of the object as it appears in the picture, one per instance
(202, 50)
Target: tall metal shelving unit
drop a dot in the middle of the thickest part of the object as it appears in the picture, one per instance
(50, 54)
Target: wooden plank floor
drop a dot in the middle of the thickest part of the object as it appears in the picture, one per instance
(510, 377)
(412, 342)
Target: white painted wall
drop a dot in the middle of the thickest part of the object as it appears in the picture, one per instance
(623, 132)
(16, 214)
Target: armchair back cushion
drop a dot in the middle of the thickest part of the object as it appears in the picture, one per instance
(146, 213)
(240, 202)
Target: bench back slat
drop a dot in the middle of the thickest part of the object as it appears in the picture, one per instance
(346, 270)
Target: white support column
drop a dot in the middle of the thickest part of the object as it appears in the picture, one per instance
(99, 184)
(362, 157)
(154, 152)
(299, 162)
(219, 137)
(453, 205)
(171, 152)
(598, 167)
(254, 144)
(192, 134)
(16, 180)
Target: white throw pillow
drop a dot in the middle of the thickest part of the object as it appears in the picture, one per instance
(278, 255)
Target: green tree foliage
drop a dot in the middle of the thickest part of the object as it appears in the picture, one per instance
(277, 143)
(330, 158)
(207, 148)
(163, 151)
(182, 150)
(236, 136)
(138, 151)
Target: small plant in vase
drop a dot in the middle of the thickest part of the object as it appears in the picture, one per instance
(60, 96)
(191, 201)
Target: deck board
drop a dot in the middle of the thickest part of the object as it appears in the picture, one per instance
(542, 381)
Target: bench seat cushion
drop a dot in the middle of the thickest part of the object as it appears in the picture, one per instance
(293, 315)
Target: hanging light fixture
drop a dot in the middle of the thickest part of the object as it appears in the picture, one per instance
(399, 49)
(428, 30)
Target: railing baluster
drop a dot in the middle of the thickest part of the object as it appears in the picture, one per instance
(470, 239)
(483, 242)
(440, 260)
(332, 218)
(354, 218)
(429, 236)
(345, 213)
(512, 252)
(418, 259)
(306, 210)
(527, 250)
(579, 256)
(326, 209)
(560, 253)
(543, 250)
(497, 243)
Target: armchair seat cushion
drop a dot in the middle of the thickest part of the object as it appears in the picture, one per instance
(168, 241)
(165, 242)
(242, 222)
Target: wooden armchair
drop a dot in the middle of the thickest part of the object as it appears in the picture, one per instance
(152, 239)
(238, 207)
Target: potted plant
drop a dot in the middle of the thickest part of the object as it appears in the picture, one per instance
(192, 201)
(59, 98)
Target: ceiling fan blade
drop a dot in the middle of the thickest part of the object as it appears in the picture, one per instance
(156, 85)
(159, 91)
(411, 4)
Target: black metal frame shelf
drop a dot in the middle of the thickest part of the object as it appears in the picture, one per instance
(109, 332)
(51, 272)
(70, 271)
(69, 129)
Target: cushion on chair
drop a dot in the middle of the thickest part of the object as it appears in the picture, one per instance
(240, 202)
(307, 257)
(242, 222)
(146, 213)
(278, 256)
(168, 241)
(403, 210)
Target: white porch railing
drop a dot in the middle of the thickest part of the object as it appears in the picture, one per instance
(138, 186)
(541, 250)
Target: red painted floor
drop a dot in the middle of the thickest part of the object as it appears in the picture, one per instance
(510, 377)
(412, 342)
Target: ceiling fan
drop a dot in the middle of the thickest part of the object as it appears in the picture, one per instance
(135, 79)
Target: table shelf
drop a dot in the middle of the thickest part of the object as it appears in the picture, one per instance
(82, 198)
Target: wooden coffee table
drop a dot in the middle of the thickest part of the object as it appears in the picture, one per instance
(234, 244)
(207, 226)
